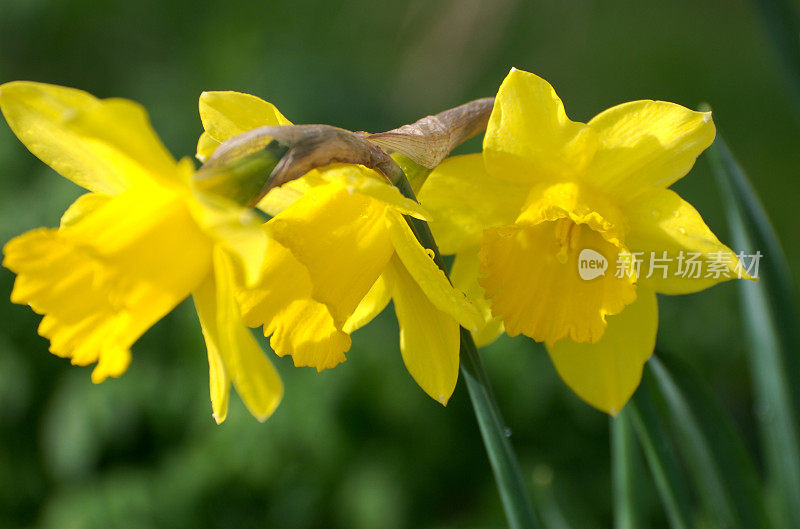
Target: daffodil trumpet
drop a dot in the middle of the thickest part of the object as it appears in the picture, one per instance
(418, 148)
(565, 231)
(140, 242)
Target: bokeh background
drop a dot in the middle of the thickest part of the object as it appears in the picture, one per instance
(359, 446)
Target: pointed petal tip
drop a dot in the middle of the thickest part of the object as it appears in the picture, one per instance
(267, 413)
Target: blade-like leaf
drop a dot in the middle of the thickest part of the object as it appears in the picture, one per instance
(717, 458)
(660, 454)
(771, 326)
(624, 452)
(782, 21)
(545, 499)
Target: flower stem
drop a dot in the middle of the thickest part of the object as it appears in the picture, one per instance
(516, 501)
(513, 493)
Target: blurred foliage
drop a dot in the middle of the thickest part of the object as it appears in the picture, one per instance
(359, 446)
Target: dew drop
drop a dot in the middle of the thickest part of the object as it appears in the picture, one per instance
(507, 431)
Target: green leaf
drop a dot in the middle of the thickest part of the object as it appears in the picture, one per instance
(624, 452)
(545, 499)
(770, 324)
(782, 21)
(659, 452)
(717, 458)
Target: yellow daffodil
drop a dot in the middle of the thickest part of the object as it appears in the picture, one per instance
(550, 198)
(340, 250)
(140, 242)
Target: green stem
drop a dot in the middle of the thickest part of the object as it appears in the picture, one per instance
(513, 493)
(516, 501)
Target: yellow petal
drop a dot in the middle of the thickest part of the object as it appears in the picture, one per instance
(605, 374)
(228, 114)
(298, 325)
(679, 253)
(239, 230)
(305, 330)
(206, 146)
(252, 373)
(646, 143)
(205, 302)
(529, 137)
(429, 338)
(464, 200)
(84, 205)
(353, 178)
(103, 145)
(104, 280)
(531, 269)
(433, 282)
(341, 239)
(373, 304)
(280, 198)
(464, 275)
(359, 179)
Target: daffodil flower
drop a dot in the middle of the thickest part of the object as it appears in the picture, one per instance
(141, 241)
(340, 250)
(545, 189)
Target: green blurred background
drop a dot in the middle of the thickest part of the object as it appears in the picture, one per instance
(359, 446)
